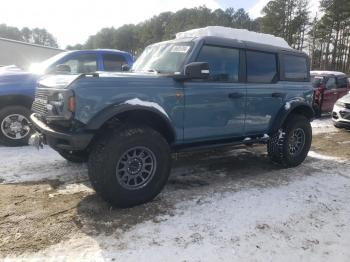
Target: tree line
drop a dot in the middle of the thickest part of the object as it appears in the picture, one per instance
(326, 37)
(39, 36)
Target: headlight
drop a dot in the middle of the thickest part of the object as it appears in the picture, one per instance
(340, 104)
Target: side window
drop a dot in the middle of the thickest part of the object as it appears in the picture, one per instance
(223, 62)
(295, 67)
(80, 64)
(342, 82)
(261, 67)
(113, 62)
(331, 83)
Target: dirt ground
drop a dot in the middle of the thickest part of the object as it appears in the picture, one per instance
(222, 205)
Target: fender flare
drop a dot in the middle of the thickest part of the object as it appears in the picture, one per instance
(114, 110)
(299, 107)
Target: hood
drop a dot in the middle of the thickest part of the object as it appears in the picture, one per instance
(17, 78)
(345, 99)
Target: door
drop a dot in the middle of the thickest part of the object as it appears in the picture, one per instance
(265, 95)
(342, 86)
(330, 95)
(215, 108)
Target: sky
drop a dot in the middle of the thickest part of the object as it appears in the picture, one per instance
(73, 21)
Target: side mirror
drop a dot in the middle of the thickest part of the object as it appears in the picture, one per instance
(125, 67)
(62, 69)
(197, 70)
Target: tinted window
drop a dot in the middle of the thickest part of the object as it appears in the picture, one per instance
(82, 64)
(331, 83)
(223, 62)
(295, 67)
(342, 82)
(113, 62)
(316, 81)
(261, 67)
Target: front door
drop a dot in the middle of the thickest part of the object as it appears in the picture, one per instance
(215, 108)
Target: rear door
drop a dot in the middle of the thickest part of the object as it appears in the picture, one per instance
(265, 94)
(215, 108)
(330, 95)
(342, 86)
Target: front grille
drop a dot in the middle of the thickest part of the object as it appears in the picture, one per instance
(345, 115)
(40, 102)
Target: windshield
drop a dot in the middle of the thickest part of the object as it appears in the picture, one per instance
(163, 58)
(40, 68)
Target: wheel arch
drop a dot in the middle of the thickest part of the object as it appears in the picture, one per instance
(150, 116)
(16, 100)
(299, 108)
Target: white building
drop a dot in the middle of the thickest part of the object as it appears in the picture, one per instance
(23, 54)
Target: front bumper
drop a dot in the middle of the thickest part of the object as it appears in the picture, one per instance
(341, 116)
(60, 140)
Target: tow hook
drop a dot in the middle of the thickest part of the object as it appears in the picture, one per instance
(36, 140)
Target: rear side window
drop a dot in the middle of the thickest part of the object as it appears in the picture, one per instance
(261, 67)
(79, 64)
(113, 62)
(295, 67)
(342, 82)
(223, 62)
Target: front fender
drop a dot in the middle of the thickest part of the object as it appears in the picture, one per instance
(130, 105)
(293, 106)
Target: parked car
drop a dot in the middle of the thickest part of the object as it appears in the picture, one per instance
(17, 87)
(329, 86)
(341, 112)
(185, 94)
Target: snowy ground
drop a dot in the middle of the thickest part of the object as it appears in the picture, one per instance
(222, 205)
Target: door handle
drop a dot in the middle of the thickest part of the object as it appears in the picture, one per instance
(235, 95)
(278, 95)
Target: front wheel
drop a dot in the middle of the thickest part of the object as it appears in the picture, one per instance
(129, 165)
(14, 126)
(290, 146)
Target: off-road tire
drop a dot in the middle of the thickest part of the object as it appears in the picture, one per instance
(74, 156)
(10, 110)
(278, 144)
(109, 149)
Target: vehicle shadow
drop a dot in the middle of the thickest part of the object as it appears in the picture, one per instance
(194, 176)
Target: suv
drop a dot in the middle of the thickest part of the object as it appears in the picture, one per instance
(328, 86)
(184, 94)
(17, 87)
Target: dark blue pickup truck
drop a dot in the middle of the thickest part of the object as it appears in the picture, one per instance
(17, 87)
(184, 94)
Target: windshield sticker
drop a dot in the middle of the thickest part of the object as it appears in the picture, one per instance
(180, 49)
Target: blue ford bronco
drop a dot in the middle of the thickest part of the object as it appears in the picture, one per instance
(184, 94)
(17, 87)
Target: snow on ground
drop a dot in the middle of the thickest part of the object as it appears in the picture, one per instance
(261, 214)
(19, 164)
(323, 125)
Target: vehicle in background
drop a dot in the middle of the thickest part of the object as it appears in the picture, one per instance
(209, 88)
(341, 112)
(328, 86)
(17, 87)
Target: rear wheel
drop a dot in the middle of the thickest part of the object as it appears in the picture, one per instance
(129, 165)
(290, 146)
(14, 126)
